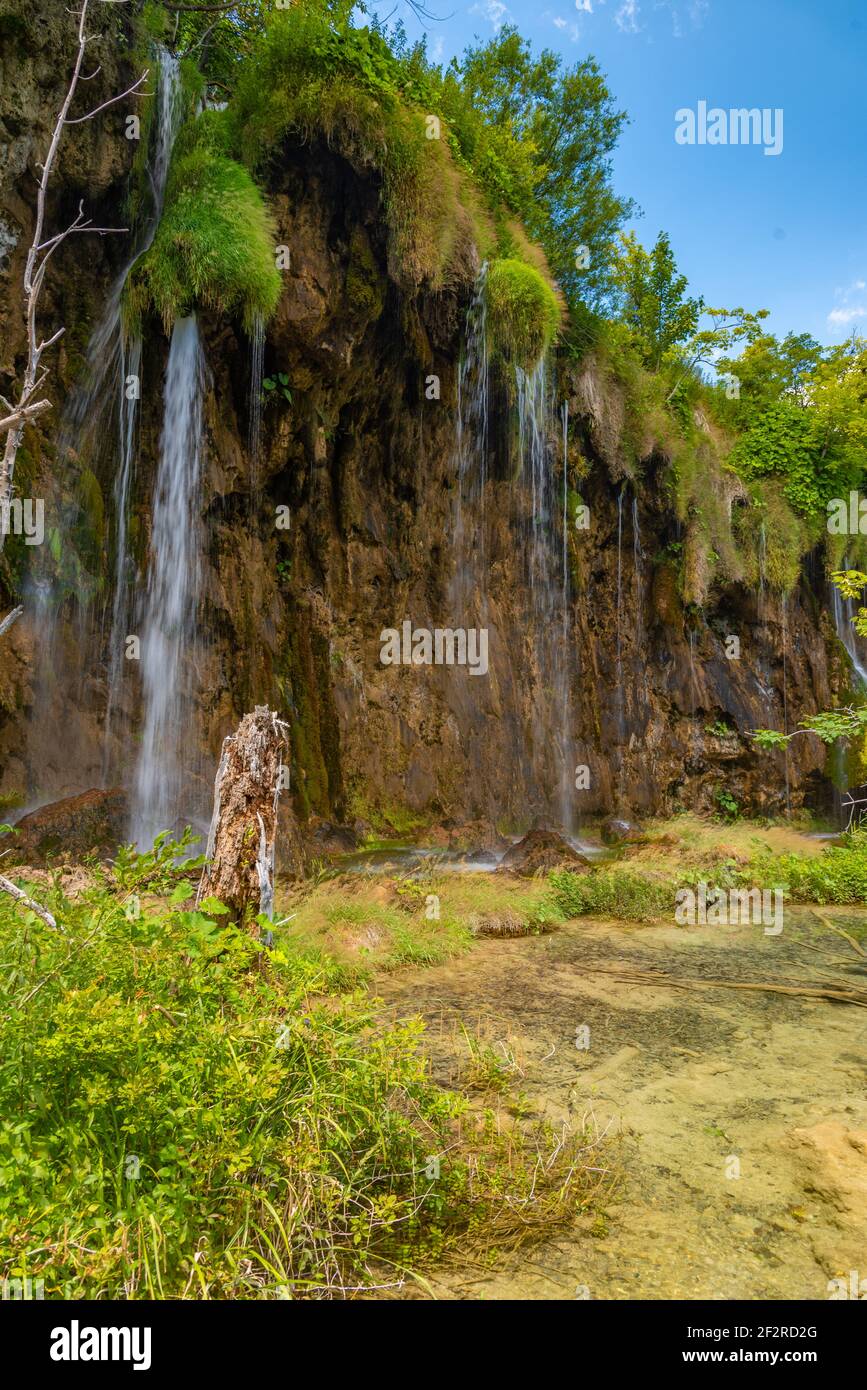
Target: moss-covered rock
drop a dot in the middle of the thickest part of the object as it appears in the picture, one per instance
(365, 287)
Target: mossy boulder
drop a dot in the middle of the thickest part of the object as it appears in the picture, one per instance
(523, 311)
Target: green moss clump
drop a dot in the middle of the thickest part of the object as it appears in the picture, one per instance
(364, 287)
(523, 311)
(773, 538)
(214, 246)
(307, 81)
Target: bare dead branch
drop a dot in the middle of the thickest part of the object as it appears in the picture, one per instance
(11, 618)
(38, 256)
(21, 897)
(130, 91)
(21, 416)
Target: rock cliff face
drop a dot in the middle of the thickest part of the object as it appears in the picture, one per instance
(652, 705)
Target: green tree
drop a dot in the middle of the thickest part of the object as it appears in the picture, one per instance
(653, 299)
(565, 126)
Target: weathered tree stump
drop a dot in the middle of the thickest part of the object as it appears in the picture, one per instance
(240, 854)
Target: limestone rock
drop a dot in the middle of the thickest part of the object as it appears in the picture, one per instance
(617, 831)
(92, 822)
(539, 851)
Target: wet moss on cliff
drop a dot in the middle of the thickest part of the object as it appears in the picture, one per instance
(215, 244)
(365, 291)
(305, 684)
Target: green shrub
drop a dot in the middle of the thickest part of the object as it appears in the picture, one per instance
(838, 875)
(307, 80)
(611, 892)
(185, 1112)
(523, 311)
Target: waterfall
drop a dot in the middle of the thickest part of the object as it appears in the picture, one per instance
(168, 621)
(620, 692)
(130, 367)
(99, 428)
(551, 704)
(111, 382)
(105, 351)
(565, 413)
(471, 451)
(785, 625)
(637, 567)
(168, 116)
(257, 368)
(843, 610)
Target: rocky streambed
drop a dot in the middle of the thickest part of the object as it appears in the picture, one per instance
(734, 1122)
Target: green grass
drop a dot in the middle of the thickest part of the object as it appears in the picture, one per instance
(214, 247)
(187, 1113)
(523, 311)
(645, 889)
(612, 892)
(306, 81)
(838, 875)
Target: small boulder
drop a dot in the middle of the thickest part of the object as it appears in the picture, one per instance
(617, 831)
(538, 852)
(324, 837)
(93, 822)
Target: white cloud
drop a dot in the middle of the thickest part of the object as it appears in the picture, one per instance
(850, 305)
(494, 11)
(847, 315)
(563, 24)
(626, 17)
(585, 6)
(696, 11)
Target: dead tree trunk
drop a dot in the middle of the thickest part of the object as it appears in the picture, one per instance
(240, 854)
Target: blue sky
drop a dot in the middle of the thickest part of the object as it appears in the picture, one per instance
(788, 232)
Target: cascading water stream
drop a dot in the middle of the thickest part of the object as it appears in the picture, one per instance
(257, 371)
(564, 594)
(619, 694)
(785, 626)
(843, 610)
(638, 566)
(168, 619)
(547, 596)
(99, 428)
(471, 454)
(168, 116)
(112, 382)
(130, 369)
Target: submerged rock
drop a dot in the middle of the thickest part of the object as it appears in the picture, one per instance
(93, 822)
(539, 851)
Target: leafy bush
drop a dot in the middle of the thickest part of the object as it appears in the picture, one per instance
(313, 81)
(838, 875)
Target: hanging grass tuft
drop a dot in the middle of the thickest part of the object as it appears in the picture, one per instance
(523, 311)
(214, 247)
